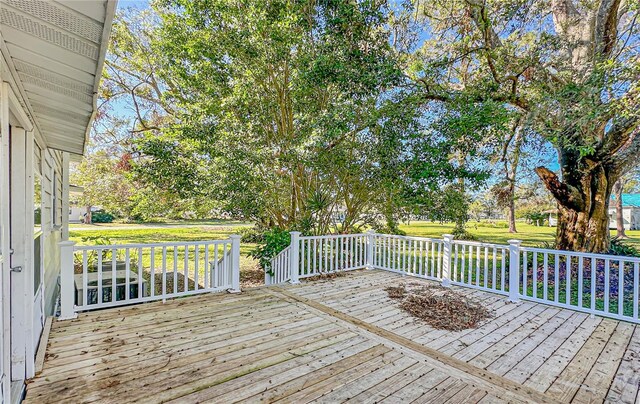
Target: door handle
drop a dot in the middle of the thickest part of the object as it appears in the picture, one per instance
(16, 269)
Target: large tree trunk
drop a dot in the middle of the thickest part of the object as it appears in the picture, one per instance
(583, 203)
(620, 231)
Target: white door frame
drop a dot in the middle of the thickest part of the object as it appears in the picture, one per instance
(21, 229)
(22, 279)
(5, 286)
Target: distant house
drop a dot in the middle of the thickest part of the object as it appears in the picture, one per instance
(630, 212)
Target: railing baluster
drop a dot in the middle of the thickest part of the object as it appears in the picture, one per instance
(556, 278)
(494, 269)
(216, 272)
(593, 283)
(114, 278)
(127, 273)
(535, 274)
(545, 285)
(196, 269)
(325, 252)
(568, 265)
(85, 277)
(636, 300)
(478, 266)
(463, 266)
(470, 266)
(315, 255)
(580, 280)
(607, 289)
(164, 271)
(186, 268)
(308, 257)
(207, 279)
(525, 268)
(99, 269)
(175, 269)
(440, 259)
(503, 270)
(486, 266)
(152, 270)
(620, 287)
(415, 247)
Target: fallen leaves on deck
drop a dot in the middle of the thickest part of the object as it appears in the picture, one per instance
(325, 276)
(440, 307)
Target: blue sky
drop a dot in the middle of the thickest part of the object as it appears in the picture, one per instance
(133, 3)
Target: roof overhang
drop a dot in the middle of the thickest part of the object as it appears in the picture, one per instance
(55, 52)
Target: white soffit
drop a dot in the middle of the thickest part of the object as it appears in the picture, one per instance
(57, 51)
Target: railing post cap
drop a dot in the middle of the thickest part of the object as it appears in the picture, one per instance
(66, 243)
(235, 236)
(295, 233)
(514, 242)
(448, 236)
(371, 231)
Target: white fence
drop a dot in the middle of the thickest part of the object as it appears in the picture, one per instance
(600, 284)
(144, 272)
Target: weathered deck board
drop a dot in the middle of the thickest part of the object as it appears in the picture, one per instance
(335, 340)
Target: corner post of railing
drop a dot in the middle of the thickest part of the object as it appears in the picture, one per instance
(370, 243)
(446, 259)
(294, 257)
(514, 270)
(67, 284)
(267, 276)
(235, 263)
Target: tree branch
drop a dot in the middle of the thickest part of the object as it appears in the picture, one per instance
(564, 13)
(606, 27)
(568, 196)
(617, 137)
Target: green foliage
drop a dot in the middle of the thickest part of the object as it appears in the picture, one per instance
(619, 247)
(274, 241)
(536, 217)
(92, 255)
(291, 114)
(100, 216)
(252, 235)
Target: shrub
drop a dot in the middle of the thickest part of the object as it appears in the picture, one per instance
(618, 247)
(462, 234)
(274, 241)
(251, 235)
(100, 216)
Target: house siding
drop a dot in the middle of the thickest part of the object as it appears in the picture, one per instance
(51, 225)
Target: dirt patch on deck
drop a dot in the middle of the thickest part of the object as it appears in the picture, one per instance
(251, 277)
(440, 307)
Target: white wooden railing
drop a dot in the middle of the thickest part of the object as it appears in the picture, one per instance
(279, 270)
(416, 256)
(578, 281)
(144, 272)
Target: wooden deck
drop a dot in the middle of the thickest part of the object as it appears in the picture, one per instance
(334, 341)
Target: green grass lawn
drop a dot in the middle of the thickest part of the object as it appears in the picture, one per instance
(484, 231)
